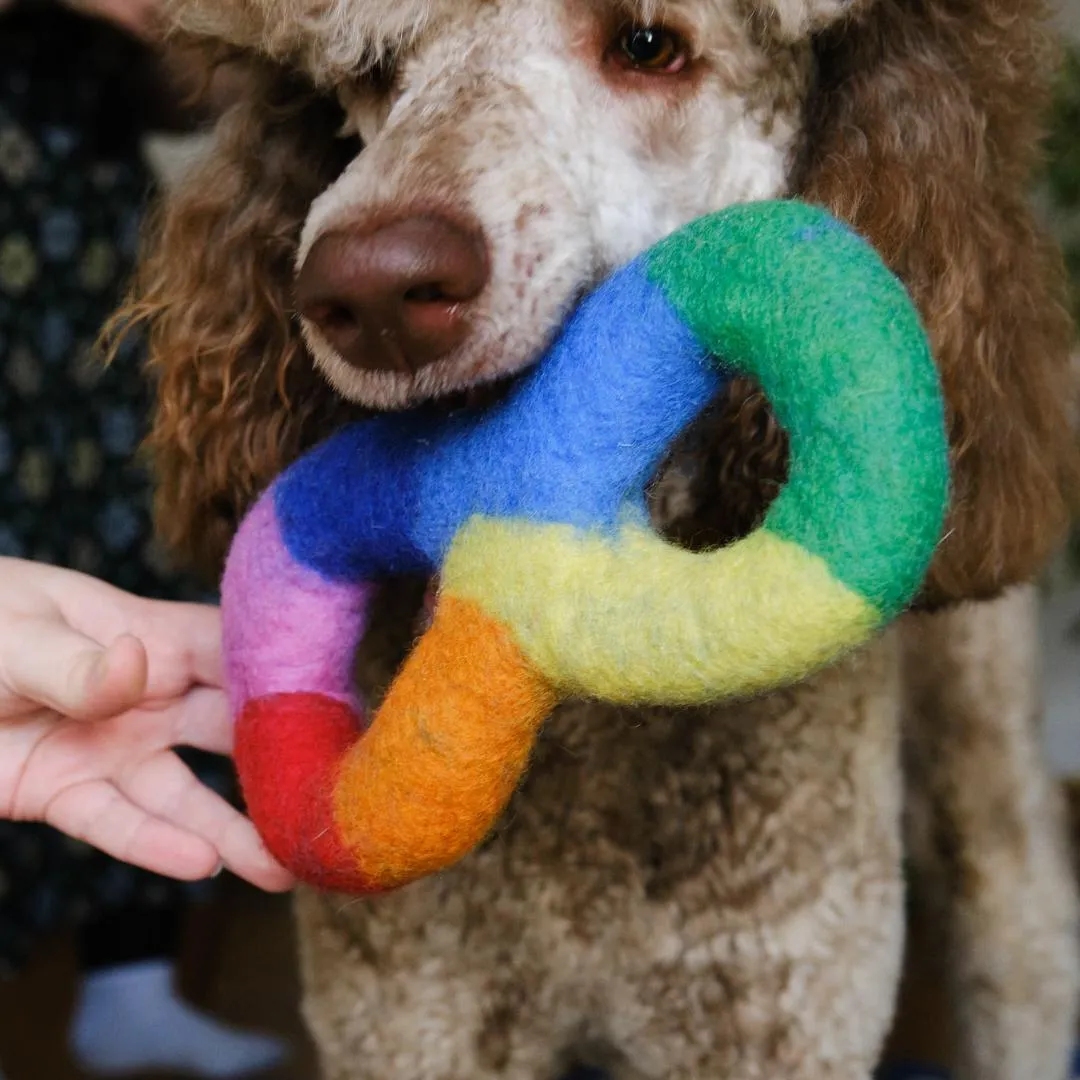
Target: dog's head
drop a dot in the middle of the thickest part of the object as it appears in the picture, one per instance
(513, 152)
(408, 197)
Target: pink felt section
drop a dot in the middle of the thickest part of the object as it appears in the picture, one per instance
(286, 628)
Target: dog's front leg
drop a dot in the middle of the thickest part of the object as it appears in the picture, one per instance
(988, 840)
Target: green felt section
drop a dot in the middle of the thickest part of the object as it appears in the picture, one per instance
(785, 293)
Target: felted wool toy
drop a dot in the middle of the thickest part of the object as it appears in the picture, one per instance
(552, 583)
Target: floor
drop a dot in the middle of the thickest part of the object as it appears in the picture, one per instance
(238, 961)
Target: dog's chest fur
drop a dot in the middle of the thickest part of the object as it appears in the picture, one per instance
(650, 882)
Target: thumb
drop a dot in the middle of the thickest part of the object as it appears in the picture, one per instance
(48, 663)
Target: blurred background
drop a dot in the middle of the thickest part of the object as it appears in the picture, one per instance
(1059, 198)
(88, 126)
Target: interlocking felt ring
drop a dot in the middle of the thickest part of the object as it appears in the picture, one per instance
(552, 583)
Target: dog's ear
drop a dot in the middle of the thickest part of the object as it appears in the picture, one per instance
(922, 133)
(236, 395)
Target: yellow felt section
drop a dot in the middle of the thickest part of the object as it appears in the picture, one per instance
(442, 757)
(634, 619)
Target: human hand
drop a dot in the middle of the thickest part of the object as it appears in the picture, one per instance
(96, 687)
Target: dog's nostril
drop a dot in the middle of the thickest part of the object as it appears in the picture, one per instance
(334, 318)
(397, 297)
(427, 294)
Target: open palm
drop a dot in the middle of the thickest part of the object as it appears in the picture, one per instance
(96, 688)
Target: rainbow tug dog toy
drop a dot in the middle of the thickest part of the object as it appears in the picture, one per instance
(552, 582)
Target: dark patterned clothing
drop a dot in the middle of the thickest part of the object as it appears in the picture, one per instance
(72, 188)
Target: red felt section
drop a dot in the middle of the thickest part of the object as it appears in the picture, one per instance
(289, 749)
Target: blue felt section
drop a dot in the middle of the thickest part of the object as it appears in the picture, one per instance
(347, 507)
(575, 443)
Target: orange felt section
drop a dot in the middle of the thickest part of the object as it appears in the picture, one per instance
(445, 752)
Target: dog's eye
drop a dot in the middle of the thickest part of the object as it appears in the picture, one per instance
(653, 49)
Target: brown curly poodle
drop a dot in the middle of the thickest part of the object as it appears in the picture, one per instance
(403, 204)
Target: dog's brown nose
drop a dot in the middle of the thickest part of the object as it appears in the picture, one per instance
(397, 297)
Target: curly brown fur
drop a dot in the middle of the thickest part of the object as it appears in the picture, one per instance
(214, 288)
(736, 447)
(684, 894)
